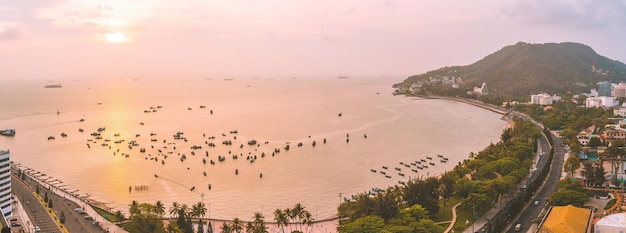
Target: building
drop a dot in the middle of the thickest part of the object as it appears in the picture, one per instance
(614, 223)
(614, 132)
(566, 219)
(604, 89)
(601, 101)
(541, 99)
(482, 90)
(5, 184)
(619, 90)
(585, 135)
(619, 111)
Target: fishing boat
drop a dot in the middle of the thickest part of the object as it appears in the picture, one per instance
(7, 132)
(53, 86)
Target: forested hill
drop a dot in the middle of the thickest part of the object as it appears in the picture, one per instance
(523, 69)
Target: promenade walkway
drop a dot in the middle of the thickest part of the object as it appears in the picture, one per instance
(453, 221)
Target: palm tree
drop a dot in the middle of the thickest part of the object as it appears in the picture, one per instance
(288, 217)
(237, 225)
(298, 213)
(226, 228)
(258, 225)
(198, 210)
(249, 227)
(280, 218)
(159, 208)
(174, 209)
(308, 219)
(134, 209)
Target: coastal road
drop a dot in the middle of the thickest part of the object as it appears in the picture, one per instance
(75, 222)
(530, 212)
(33, 207)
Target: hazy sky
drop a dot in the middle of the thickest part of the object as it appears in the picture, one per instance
(81, 39)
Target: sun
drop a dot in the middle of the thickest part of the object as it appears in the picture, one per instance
(116, 37)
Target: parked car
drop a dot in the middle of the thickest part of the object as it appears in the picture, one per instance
(37, 229)
(536, 202)
(88, 217)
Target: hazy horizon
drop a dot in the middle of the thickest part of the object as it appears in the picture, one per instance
(76, 39)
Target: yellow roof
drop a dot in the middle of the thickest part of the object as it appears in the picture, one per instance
(567, 219)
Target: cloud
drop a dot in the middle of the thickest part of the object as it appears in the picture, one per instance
(585, 14)
(9, 34)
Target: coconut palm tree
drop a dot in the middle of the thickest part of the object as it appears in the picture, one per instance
(159, 208)
(237, 225)
(249, 227)
(288, 218)
(308, 219)
(298, 213)
(258, 225)
(174, 209)
(198, 210)
(226, 228)
(281, 219)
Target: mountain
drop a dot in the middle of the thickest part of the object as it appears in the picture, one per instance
(524, 69)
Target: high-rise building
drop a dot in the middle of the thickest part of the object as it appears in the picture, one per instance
(604, 89)
(5, 184)
(619, 90)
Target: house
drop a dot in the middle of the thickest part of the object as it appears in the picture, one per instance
(482, 90)
(567, 219)
(585, 135)
(614, 223)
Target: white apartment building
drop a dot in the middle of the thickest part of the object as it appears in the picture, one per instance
(601, 101)
(541, 99)
(5, 184)
(619, 90)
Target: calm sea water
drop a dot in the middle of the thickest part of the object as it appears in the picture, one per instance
(272, 112)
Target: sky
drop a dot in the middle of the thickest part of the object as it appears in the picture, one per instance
(85, 39)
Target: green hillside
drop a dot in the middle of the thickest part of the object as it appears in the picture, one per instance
(523, 69)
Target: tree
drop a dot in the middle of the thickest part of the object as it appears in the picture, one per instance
(575, 148)
(281, 219)
(572, 164)
(174, 209)
(200, 226)
(159, 208)
(198, 210)
(62, 217)
(50, 203)
(226, 228)
(613, 154)
(237, 225)
(367, 224)
(45, 197)
(145, 218)
(594, 142)
(566, 196)
(119, 215)
(258, 224)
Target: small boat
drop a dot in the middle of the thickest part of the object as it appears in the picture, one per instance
(444, 161)
(204, 173)
(156, 176)
(81, 130)
(7, 132)
(414, 170)
(236, 171)
(63, 135)
(261, 175)
(53, 86)
(398, 169)
(373, 170)
(432, 164)
(82, 119)
(431, 158)
(384, 167)
(401, 174)
(382, 172)
(440, 156)
(193, 188)
(202, 106)
(51, 138)
(388, 177)
(401, 182)
(209, 186)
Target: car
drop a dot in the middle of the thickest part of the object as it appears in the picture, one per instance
(518, 227)
(88, 217)
(15, 224)
(536, 202)
(37, 229)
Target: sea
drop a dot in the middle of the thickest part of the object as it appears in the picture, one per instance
(162, 139)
